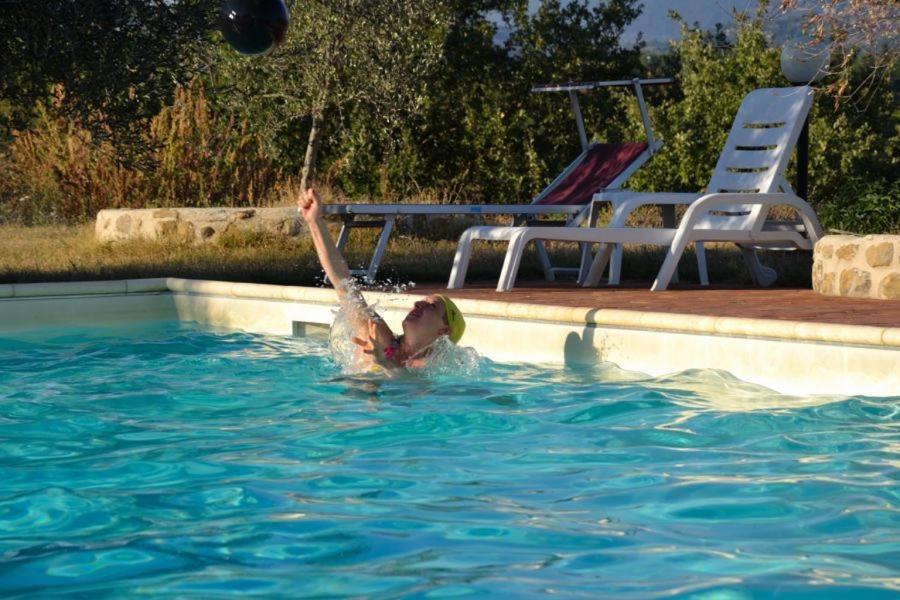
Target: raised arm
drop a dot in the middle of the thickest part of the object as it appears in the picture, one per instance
(351, 299)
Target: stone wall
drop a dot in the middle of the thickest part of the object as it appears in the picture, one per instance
(209, 224)
(194, 224)
(858, 267)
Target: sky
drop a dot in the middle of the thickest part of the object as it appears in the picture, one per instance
(658, 29)
(657, 26)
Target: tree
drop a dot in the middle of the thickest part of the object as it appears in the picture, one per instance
(570, 41)
(853, 27)
(342, 54)
(118, 60)
(482, 135)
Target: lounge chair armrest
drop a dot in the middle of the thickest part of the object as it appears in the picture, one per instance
(450, 209)
(624, 203)
(619, 196)
(713, 201)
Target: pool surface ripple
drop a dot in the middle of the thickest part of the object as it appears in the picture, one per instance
(168, 460)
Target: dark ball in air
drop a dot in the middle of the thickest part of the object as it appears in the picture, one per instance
(254, 27)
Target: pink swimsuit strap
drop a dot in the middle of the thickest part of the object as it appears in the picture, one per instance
(391, 351)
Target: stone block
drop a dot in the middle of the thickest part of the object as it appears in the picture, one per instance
(175, 229)
(290, 227)
(890, 287)
(880, 254)
(199, 225)
(818, 275)
(861, 267)
(827, 285)
(855, 283)
(847, 251)
(123, 224)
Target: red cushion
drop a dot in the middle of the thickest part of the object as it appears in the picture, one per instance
(599, 167)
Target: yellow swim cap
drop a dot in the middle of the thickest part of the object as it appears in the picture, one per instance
(454, 318)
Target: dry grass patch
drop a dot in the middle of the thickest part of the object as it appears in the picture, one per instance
(71, 253)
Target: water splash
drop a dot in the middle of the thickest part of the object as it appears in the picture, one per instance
(390, 286)
(446, 358)
(340, 342)
(387, 285)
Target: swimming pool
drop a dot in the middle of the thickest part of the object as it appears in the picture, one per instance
(162, 458)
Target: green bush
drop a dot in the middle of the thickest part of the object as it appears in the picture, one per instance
(865, 207)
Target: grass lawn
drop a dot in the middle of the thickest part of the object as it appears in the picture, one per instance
(70, 253)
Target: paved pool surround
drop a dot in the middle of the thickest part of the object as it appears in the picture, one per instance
(791, 357)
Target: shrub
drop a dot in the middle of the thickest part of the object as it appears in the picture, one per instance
(58, 172)
(852, 154)
(864, 207)
(206, 159)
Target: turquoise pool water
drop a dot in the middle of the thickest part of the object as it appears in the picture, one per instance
(167, 460)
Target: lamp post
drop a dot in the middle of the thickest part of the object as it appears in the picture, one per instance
(804, 62)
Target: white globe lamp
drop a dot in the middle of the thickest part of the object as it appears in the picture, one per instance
(805, 61)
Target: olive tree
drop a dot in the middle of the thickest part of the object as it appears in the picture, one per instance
(337, 55)
(481, 135)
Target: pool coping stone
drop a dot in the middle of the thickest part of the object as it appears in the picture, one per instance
(803, 331)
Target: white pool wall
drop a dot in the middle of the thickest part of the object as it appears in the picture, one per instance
(791, 357)
(45, 305)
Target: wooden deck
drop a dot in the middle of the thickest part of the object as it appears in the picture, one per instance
(735, 301)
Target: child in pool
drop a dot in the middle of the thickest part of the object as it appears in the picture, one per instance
(430, 318)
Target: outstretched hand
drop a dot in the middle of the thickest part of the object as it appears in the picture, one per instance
(309, 204)
(374, 347)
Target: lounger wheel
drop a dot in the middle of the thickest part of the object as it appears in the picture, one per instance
(766, 276)
(761, 275)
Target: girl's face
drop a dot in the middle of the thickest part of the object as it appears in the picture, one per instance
(425, 322)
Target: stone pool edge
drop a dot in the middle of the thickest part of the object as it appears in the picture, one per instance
(789, 356)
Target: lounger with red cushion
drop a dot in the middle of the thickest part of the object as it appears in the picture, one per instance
(599, 167)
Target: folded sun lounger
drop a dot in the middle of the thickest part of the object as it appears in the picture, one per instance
(600, 166)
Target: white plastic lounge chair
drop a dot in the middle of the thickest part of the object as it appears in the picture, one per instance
(747, 181)
(599, 167)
